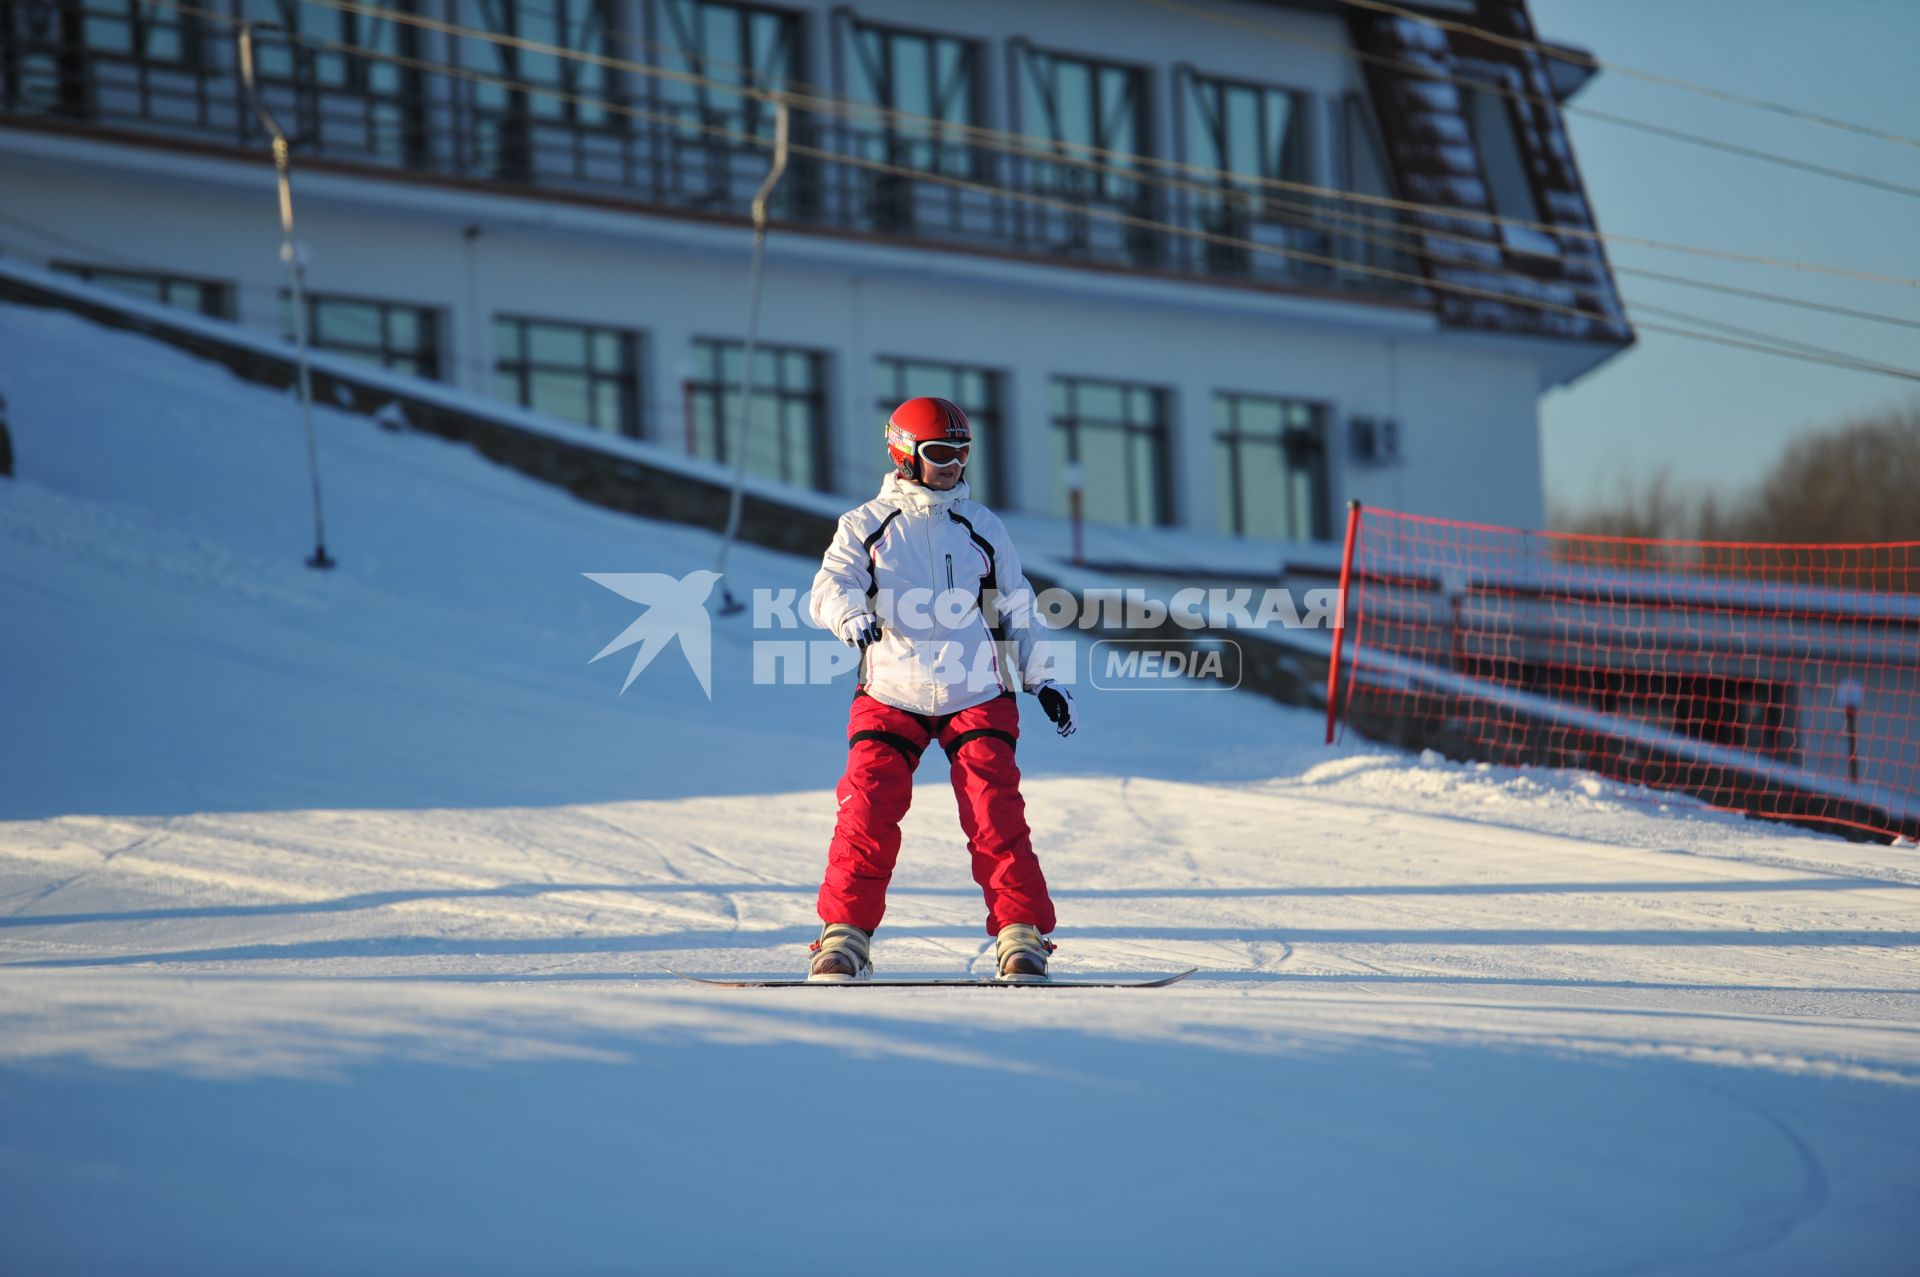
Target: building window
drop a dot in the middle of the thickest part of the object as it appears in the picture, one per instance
(1248, 134)
(153, 33)
(1251, 133)
(1490, 116)
(724, 45)
(787, 429)
(388, 334)
(1116, 433)
(934, 83)
(976, 390)
(1364, 154)
(341, 99)
(933, 78)
(1364, 170)
(1273, 467)
(558, 89)
(1095, 113)
(1077, 103)
(206, 296)
(571, 371)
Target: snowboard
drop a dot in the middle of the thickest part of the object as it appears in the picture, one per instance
(938, 982)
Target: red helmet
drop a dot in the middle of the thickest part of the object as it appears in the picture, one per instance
(923, 421)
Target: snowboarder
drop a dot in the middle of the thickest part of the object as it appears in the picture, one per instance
(925, 582)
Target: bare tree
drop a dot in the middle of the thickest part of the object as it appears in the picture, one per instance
(1857, 482)
(1652, 507)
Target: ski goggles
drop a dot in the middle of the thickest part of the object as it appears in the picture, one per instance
(944, 454)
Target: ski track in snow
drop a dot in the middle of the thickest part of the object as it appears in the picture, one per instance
(345, 897)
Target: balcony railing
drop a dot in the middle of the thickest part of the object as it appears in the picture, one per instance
(152, 70)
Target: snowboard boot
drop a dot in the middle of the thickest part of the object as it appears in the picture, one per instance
(841, 954)
(1022, 953)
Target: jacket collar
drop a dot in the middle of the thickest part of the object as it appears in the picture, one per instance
(914, 498)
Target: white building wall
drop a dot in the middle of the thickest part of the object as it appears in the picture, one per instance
(1470, 436)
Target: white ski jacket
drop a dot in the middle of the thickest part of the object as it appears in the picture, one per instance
(928, 565)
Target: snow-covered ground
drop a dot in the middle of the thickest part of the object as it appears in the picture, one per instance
(334, 907)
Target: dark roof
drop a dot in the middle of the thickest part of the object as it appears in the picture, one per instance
(1436, 160)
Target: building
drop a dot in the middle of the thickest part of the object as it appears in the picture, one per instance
(1150, 247)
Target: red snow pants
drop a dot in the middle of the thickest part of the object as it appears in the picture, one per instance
(883, 747)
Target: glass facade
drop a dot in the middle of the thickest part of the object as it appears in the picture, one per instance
(933, 81)
(976, 390)
(1250, 135)
(503, 118)
(1078, 102)
(727, 46)
(355, 103)
(1272, 455)
(787, 427)
(572, 371)
(933, 84)
(1097, 113)
(1249, 132)
(1116, 433)
(724, 47)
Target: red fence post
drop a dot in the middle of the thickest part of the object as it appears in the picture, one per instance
(1340, 630)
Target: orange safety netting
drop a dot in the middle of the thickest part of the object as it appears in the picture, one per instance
(1779, 680)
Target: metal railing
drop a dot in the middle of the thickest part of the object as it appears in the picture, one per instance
(153, 70)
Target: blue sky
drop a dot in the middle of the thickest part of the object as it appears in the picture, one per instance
(1717, 417)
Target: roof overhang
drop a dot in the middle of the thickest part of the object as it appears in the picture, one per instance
(1561, 361)
(1569, 69)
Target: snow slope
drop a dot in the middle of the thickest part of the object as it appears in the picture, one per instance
(333, 912)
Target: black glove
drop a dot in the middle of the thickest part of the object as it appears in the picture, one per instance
(1057, 701)
(863, 631)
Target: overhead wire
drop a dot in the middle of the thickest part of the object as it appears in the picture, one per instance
(985, 136)
(1848, 312)
(1579, 57)
(1344, 221)
(1020, 143)
(1723, 326)
(1307, 216)
(751, 139)
(1314, 217)
(1523, 95)
(1805, 349)
(1789, 350)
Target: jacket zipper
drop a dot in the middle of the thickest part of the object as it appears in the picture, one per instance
(949, 571)
(932, 539)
